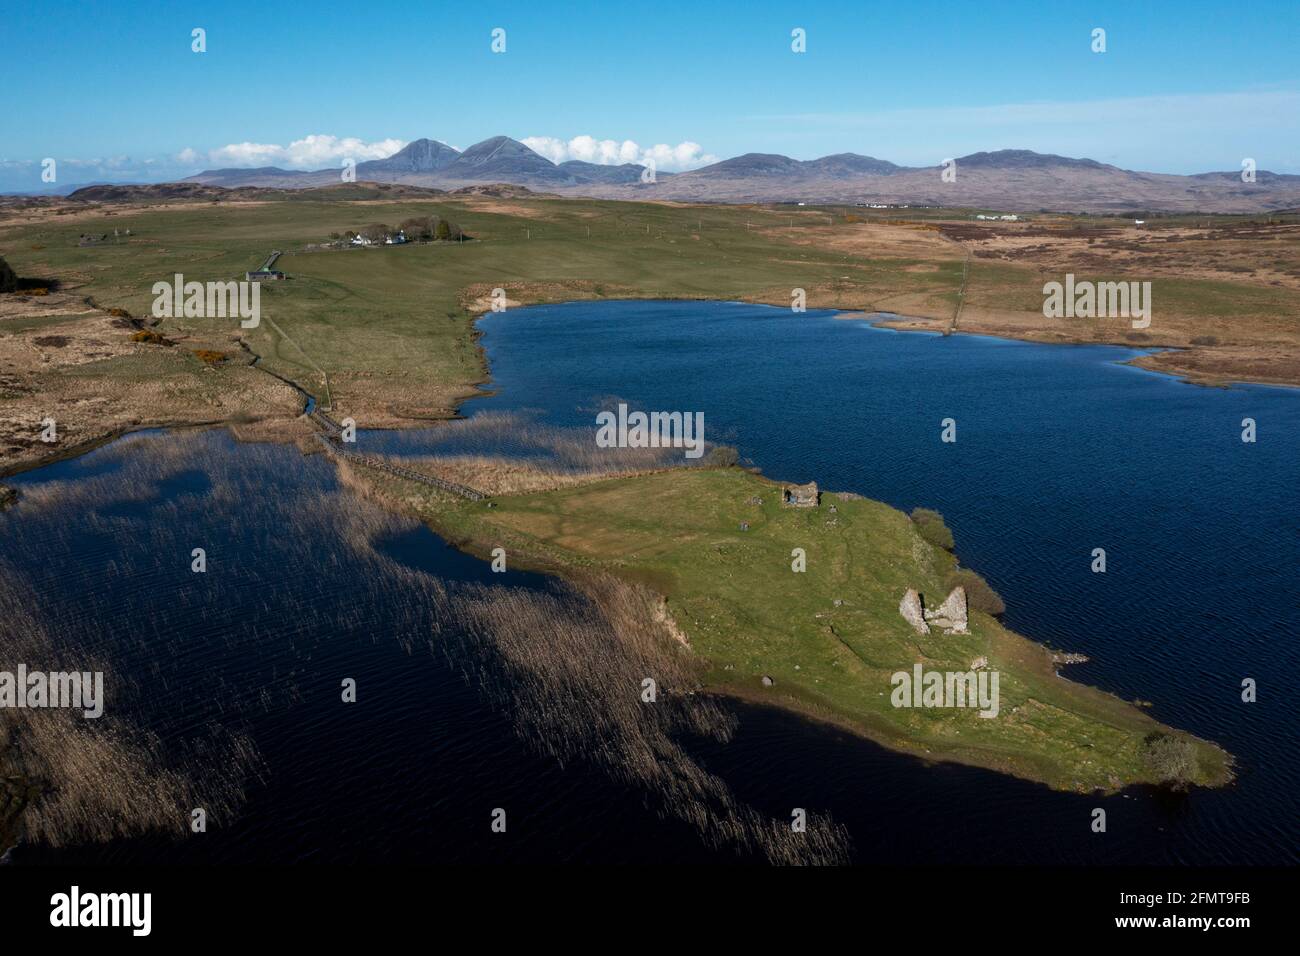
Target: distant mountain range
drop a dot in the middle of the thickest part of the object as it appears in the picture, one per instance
(201, 192)
(1009, 179)
(427, 162)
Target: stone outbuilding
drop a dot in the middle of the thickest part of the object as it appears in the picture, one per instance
(950, 616)
(913, 613)
(800, 496)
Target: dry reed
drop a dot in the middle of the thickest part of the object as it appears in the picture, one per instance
(569, 670)
(74, 780)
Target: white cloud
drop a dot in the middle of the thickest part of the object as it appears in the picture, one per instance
(609, 152)
(25, 175)
(317, 151)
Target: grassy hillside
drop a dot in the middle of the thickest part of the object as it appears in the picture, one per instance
(747, 615)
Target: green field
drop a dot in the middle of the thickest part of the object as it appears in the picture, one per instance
(389, 325)
(749, 615)
(385, 334)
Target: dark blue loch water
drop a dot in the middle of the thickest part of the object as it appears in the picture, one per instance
(305, 585)
(1060, 450)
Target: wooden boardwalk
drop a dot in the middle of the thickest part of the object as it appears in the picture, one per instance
(331, 428)
(335, 446)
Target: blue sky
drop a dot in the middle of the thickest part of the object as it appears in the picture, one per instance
(113, 88)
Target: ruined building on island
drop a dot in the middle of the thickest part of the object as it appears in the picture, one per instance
(800, 496)
(950, 616)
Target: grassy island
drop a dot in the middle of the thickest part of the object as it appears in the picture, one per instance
(829, 638)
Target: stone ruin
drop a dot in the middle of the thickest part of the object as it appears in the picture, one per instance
(800, 496)
(950, 616)
(912, 611)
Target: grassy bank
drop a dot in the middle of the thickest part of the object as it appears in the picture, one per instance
(828, 639)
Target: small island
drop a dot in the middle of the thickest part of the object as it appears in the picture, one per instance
(718, 543)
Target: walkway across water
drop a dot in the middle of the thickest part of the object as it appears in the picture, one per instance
(331, 437)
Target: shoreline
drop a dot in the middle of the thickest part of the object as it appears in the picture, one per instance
(876, 319)
(782, 699)
(794, 704)
(1148, 350)
(94, 444)
(793, 698)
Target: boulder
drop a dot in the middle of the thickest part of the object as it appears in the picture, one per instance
(951, 614)
(8, 281)
(910, 608)
(1068, 657)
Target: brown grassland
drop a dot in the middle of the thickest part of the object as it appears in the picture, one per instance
(386, 335)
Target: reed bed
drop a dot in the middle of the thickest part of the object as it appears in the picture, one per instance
(505, 476)
(565, 665)
(568, 667)
(137, 604)
(504, 453)
(72, 780)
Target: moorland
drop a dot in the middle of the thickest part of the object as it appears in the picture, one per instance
(386, 336)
